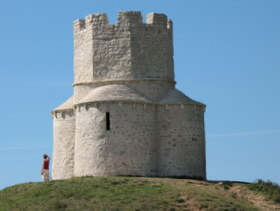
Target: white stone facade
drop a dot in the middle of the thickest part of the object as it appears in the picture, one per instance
(126, 117)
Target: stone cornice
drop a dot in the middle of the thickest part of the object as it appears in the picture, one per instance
(131, 102)
(124, 80)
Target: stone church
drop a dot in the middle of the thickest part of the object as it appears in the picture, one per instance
(125, 116)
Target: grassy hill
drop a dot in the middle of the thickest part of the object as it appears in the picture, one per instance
(137, 193)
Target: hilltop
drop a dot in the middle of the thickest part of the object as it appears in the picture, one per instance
(136, 193)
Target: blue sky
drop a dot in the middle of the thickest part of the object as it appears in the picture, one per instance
(226, 56)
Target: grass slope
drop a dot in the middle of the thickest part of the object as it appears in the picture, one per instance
(121, 193)
(270, 189)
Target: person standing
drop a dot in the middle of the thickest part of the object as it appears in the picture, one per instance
(45, 168)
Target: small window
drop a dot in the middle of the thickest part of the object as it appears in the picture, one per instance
(107, 121)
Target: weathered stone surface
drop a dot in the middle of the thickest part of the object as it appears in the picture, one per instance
(119, 93)
(126, 149)
(124, 73)
(63, 144)
(175, 96)
(181, 141)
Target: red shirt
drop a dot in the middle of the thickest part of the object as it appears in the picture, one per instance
(46, 164)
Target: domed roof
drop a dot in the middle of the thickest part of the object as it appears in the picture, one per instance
(119, 93)
(67, 105)
(175, 96)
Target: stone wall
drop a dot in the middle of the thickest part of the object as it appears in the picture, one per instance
(181, 140)
(83, 54)
(128, 148)
(152, 48)
(63, 144)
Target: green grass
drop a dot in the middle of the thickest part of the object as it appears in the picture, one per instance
(269, 189)
(120, 193)
(213, 198)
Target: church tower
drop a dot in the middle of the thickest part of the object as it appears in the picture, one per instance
(126, 117)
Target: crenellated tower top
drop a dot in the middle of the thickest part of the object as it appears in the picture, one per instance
(127, 50)
(125, 19)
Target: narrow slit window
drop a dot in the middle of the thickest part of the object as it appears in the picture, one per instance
(107, 121)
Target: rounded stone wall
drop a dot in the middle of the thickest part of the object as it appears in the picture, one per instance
(63, 144)
(128, 147)
(181, 140)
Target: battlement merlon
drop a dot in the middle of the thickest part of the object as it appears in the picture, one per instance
(157, 19)
(97, 20)
(130, 18)
(125, 19)
(79, 24)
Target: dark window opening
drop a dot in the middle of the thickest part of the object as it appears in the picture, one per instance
(107, 121)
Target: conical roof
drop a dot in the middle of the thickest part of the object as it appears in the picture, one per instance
(108, 93)
(67, 105)
(175, 96)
